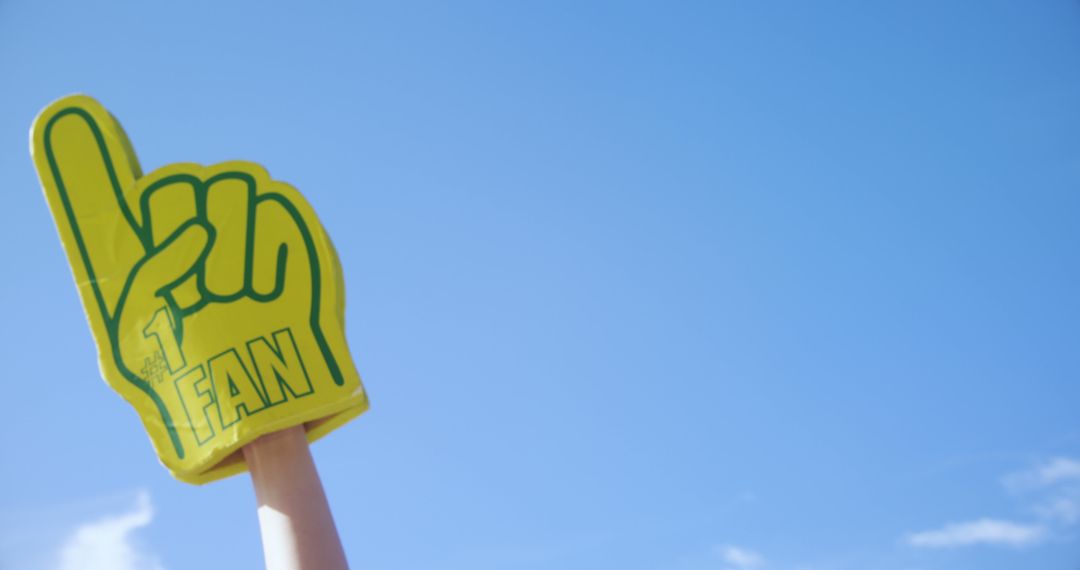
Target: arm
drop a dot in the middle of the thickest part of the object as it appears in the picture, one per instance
(298, 530)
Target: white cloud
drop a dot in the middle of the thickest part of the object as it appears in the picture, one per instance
(106, 542)
(1057, 470)
(1064, 509)
(1055, 485)
(982, 531)
(740, 558)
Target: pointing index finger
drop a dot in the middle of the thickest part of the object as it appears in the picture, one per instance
(85, 165)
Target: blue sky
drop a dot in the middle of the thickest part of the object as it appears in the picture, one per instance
(650, 286)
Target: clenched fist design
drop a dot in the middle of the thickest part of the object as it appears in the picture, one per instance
(213, 292)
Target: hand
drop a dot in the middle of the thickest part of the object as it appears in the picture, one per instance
(214, 293)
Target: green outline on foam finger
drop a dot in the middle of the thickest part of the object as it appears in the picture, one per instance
(254, 177)
(109, 320)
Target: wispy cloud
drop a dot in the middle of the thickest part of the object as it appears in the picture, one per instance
(982, 531)
(1062, 509)
(740, 558)
(1052, 490)
(1056, 485)
(1057, 470)
(107, 542)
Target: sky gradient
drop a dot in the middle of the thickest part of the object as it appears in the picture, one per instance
(648, 286)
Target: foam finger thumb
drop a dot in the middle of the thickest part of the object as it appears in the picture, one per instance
(174, 259)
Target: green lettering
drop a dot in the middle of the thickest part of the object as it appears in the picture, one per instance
(280, 367)
(192, 389)
(234, 389)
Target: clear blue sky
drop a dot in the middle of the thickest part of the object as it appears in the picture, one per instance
(648, 286)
